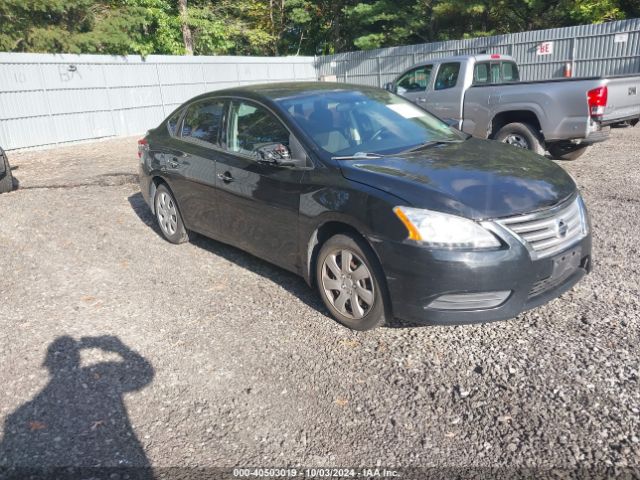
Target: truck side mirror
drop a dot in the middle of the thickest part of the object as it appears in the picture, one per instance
(390, 87)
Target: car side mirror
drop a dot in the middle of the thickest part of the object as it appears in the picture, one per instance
(390, 87)
(277, 154)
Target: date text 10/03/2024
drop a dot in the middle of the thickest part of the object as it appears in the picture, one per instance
(363, 473)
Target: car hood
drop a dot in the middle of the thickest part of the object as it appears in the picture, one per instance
(478, 179)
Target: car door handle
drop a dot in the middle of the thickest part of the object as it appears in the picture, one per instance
(173, 163)
(422, 99)
(225, 177)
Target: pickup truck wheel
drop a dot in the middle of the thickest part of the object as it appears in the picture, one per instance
(521, 135)
(6, 181)
(563, 151)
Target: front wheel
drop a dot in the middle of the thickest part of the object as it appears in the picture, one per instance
(521, 135)
(350, 282)
(563, 151)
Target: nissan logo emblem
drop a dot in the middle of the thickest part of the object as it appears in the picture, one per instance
(562, 229)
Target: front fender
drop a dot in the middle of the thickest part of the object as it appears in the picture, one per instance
(351, 207)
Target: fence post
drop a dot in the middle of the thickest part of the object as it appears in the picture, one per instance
(164, 113)
(573, 55)
(108, 92)
(204, 78)
(379, 72)
(45, 92)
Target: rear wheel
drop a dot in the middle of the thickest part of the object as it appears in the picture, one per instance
(566, 151)
(521, 135)
(351, 283)
(6, 182)
(168, 216)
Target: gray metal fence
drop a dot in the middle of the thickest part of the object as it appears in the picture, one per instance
(51, 99)
(601, 49)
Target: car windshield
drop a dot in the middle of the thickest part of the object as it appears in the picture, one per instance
(348, 122)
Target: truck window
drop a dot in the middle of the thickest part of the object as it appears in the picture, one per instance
(447, 75)
(415, 80)
(510, 72)
(495, 72)
(481, 74)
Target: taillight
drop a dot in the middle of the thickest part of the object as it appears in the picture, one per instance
(597, 100)
(143, 145)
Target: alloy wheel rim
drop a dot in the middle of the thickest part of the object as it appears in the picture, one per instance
(517, 141)
(167, 214)
(348, 283)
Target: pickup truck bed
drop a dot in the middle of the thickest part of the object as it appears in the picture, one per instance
(560, 106)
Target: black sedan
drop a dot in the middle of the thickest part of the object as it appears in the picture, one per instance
(380, 205)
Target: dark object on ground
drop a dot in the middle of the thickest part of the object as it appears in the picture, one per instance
(6, 177)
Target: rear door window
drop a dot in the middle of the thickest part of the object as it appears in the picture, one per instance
(202, 122)
(447, 76)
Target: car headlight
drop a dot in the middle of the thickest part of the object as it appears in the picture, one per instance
(584, 216)
(441, 230)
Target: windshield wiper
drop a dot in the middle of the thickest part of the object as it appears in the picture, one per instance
(358, 155)
(431, 143)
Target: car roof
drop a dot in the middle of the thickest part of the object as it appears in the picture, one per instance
(277, 91)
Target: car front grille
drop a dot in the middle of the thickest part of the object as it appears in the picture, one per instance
(545, 284)
(549, 231)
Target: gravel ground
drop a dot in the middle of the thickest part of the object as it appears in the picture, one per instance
(118, 348)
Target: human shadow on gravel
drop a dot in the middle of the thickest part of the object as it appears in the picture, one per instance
(79, 419)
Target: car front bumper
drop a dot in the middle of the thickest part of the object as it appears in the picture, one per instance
(417, 276)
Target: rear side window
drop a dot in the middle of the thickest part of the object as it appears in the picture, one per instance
(172, 123)
(252, 127)
(415, 80)
(447, 76)
(202, 122)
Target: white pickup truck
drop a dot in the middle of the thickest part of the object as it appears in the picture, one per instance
(482, 95)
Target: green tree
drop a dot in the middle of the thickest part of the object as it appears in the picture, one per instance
(277, 27)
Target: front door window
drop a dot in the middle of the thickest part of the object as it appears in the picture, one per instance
(252, 127)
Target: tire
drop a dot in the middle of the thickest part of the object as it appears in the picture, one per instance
(563, 151)
(339, 286)
(6, 182)
(521, 135)
(168, 216)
